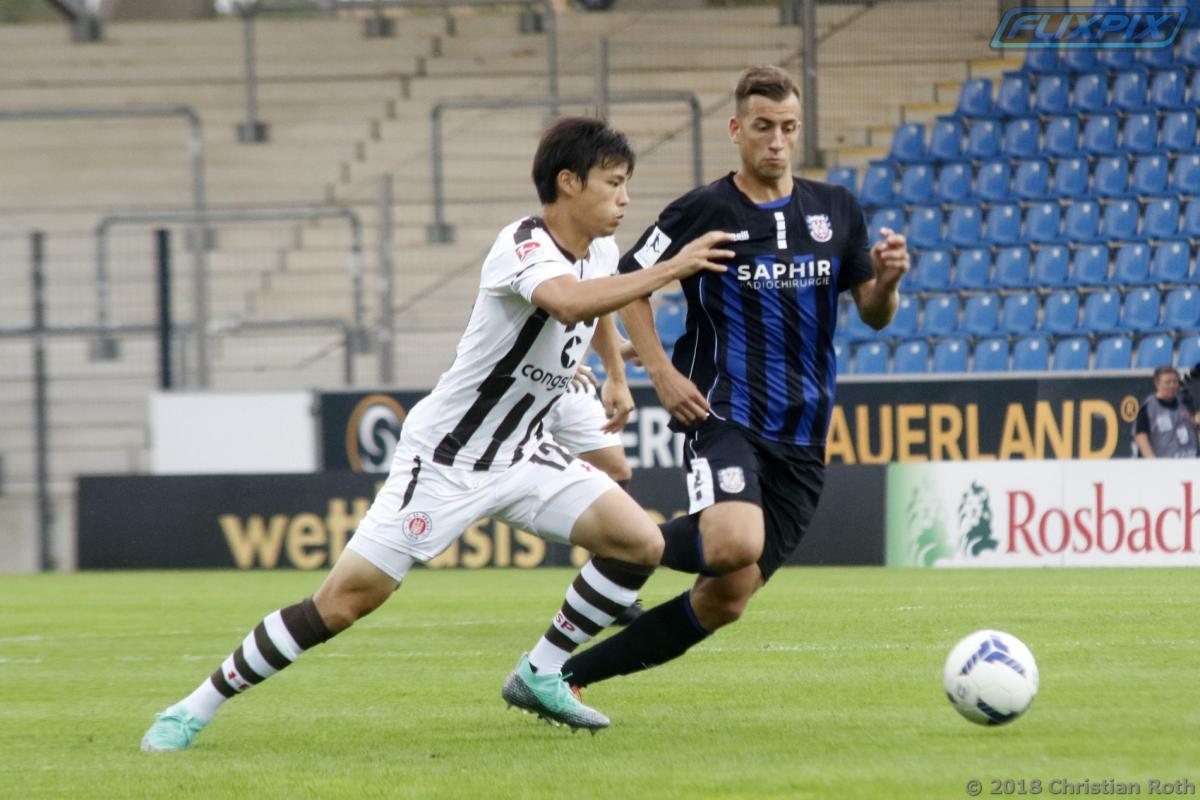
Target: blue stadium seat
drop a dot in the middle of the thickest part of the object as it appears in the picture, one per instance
(1019, 313)
(972, 269)
(1182, 310)
(1141, 309)
(1110, 178)
(1120, 221)
(1082, 222)
(991, 355)
(941, 316)
(1179, 131)
(950, 355)
(932, 270)
(1156, 57)
(670, 320)
(1187, 48)
(1150, 175)
(1168, 89)
(1154, 351)
(1170, 263)
(841, 354)
(1032, 180)
(1052, 96)
(1012, 267)
(908, 143)
(992, 180)
(1115, 352)
(1051, 266)
(946, 140)
(853, 328)
(871, 358)
(981, 315)
(904, 323)
(843, 176)
(1021, 138)
(1139, 134)
(983, 139)
(1042, 222)
(1041, 61)
(1189, 352)
(1071, 355)
(1193, 90)
(916, 184)
(1102, 312)
(964, 226)
(1031, 354)
(1070, 178)
(1191, 220)
(1089, 265)
(975, 98)
(1012, 97)
(885, 218)
(1061, 312)
(635, 372)
(925, 227)
(954, 182)
(1077, 59)
(1089, 93)
(593, 360)
(1185, 177)
(1129, 91)
(1114, 59)
(1004, 224)
(1162, 218)
(911, 356)
(878, 187)
(1061, 138)
(1132, 265)
(1100, 135)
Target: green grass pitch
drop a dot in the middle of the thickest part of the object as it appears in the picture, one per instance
(830, 687)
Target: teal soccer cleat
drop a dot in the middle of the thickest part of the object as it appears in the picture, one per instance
(173, 729)
(549, 696)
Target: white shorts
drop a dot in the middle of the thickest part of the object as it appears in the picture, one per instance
(577, 422)
(424, 507)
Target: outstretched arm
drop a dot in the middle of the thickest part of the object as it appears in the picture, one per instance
(878, 298)
(677, 394)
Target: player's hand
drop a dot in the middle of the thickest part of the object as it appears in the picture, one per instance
(681, 397)
(585, 379)
(618, 404)
(702, 253)
(890, 257)
(629, 353)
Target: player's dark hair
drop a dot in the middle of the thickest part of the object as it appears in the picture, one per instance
(1164, 369)
(769, 82)
(577, 144)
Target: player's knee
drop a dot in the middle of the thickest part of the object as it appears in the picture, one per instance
(725, 554)
(719, 610)
(649, 549)
(340, 612)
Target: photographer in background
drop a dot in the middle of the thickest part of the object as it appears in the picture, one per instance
(1166, 423)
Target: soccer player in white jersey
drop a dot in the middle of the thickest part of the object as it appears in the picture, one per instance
(475, 446)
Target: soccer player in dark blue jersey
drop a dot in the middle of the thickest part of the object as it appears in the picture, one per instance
(751, 382)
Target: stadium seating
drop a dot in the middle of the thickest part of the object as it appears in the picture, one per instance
(1004, 224)
(1041, 61)
(975, 98)
(1179, 131)
(1042, 223)
(1021, 138)
(916, 184)
(991, 181)
(1060, 312)
(954, 182)
(1139, 134)
(1012, 267)
(1189, 352)
(1182, 310)
(991, 355)
(1110, 177)
(1050, 266)
(1012, 96)
(1162, 218)
(1170, 263)
(964, 226)
(1102, 312)
(981, 315)
(1119, 221)
(1089, 265)
(1070, 178)
(932, 270)
(1082, 222)
(908, 143)
(1031, 354)
(912, 356)
(843, 176)
(670, 321)
(1115, 352)
(983, 139)
(972, 268)
(878, 188)
(1154, 351)
(1191, 219)
(1032, 180)
(1129, 91)
(1100, 135)
(1077, 59)
(950, 355)
(1019, 313)
(1185, 176)
(1089, 93)
(1168, 89)
(941, 316)
(1141, 309)
(1052, 96)
(925, 227)
(1061, 137)
(946, 140)
(871, 358)
(1150, 175)
(1188, 47)
(1132, 264)
(904, 323)
(1071, 354)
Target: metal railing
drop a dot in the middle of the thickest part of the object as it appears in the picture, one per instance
(231, 215)
(441, 232)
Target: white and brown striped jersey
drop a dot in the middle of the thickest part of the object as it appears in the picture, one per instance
(514, 360)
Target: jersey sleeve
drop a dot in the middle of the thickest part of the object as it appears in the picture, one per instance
(856, 260)
(520, 267)
(1142, 423)
(674, 228)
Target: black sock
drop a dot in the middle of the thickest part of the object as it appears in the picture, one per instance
(663, 633)
(684, 548)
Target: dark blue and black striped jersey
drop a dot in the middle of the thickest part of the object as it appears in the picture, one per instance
(759, 338)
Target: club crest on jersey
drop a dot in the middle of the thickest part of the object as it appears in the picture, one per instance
(819, 227)
(417, 525)
(731, 479)
(524, 249)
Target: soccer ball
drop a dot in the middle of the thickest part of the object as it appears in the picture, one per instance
(991, 677)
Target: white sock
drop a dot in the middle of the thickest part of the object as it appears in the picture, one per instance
(204, 702)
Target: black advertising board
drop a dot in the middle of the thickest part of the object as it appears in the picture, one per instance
(304, 521)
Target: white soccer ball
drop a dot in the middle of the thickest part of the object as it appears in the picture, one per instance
(991, 677)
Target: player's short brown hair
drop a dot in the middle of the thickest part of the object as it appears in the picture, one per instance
(1164, 369)
(769, 82)
(577, 144)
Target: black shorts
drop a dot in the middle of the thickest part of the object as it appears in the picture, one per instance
(725, 462)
